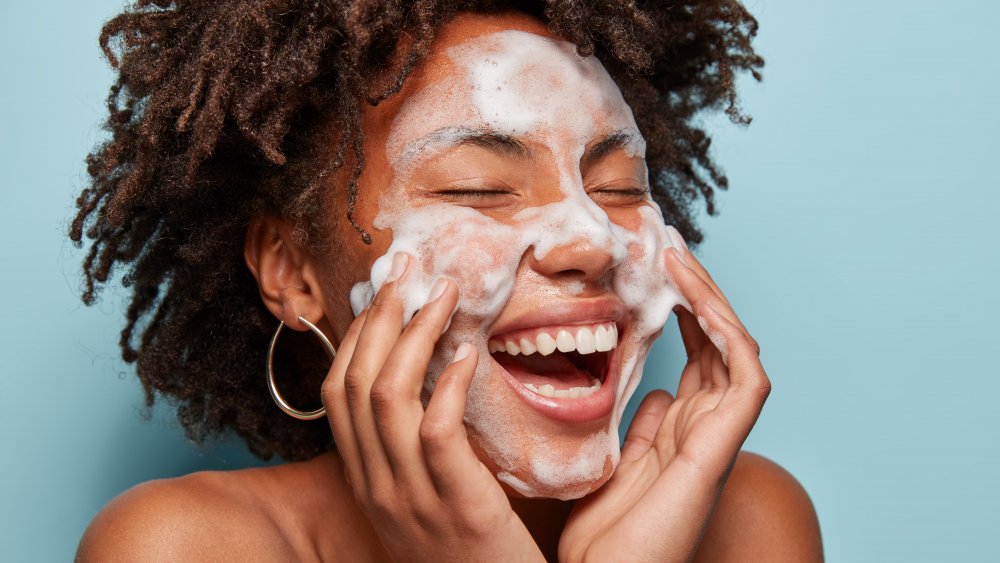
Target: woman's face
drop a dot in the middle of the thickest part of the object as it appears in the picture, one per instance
(513, 166)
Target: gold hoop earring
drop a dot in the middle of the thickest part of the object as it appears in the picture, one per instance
(278, 399)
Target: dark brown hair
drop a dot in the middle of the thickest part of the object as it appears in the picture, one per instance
(224, 110)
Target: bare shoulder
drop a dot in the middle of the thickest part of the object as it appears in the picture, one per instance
(202, 516)
(764, 514)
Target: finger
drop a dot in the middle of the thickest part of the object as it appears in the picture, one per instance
(717, 372)
(691, 334)
(382, 327)
(749, 385)
(694, 342)
(335, 401)
(692, 262)
(693, 287)
(690, 380)
(644, 425)
(450, 458)
(691, 284)
(395, 394)
(708, 355)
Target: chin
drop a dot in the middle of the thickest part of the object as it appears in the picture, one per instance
(548, 466)
(528, 485)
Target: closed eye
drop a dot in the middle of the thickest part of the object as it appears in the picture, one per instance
(477, 197)
(473, 192)
(614, 195)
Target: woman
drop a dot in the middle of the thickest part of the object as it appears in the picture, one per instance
(457, 196)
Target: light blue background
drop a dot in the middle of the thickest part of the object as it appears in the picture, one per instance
(858, 244)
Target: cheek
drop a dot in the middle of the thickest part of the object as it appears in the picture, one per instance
(477, 252)
(633, 219)
(481, 255)
(642, 280)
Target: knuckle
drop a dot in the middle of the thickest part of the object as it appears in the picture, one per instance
(383, 395)
(381, 501)
(425, 514)
(762, 387)
(354, 384)
(741, 338)
(756, 386)
(434, 433)
(330, 391)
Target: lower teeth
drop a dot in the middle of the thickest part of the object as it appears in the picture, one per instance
(547, 390)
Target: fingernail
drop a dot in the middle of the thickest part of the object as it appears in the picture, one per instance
(399, 263)
(438, 290)
(463, 352)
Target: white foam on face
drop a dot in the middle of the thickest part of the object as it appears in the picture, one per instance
(577, 471)
(575, 287)
(514, 483)
(540, 91)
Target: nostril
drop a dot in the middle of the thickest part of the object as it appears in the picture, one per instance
(580, 260)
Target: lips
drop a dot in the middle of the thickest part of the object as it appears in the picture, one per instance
(565, 371)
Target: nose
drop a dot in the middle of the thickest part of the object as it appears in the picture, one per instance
(579, 260)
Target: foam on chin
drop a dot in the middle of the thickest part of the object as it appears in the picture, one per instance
(527, 86)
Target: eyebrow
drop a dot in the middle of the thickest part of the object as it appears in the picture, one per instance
(509, 146)
(618, 140)
(450, 137)
(499, 143)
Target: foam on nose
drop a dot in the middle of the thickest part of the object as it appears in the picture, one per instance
(571, 221)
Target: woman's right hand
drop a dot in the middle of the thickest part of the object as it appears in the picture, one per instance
(678, 453)
(412, 469)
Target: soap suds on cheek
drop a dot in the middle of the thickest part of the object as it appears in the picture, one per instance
(536, 89)
(438, 237)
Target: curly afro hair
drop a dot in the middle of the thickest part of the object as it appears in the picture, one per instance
(225, 110)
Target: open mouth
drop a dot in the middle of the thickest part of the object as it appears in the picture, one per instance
(566, 362)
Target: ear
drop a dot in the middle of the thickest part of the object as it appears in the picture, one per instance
(286, 276)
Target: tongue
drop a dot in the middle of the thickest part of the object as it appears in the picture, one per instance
(555, 369)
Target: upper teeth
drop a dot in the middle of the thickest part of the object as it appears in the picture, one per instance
(583, 340)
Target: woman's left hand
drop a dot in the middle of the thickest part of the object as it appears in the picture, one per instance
(678, 452)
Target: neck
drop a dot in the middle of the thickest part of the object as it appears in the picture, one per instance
(545, 519)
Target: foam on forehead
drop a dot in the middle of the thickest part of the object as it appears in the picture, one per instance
(520, 84)
(520, 81)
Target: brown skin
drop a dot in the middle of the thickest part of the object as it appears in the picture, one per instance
(423, 494)
(764, 514)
